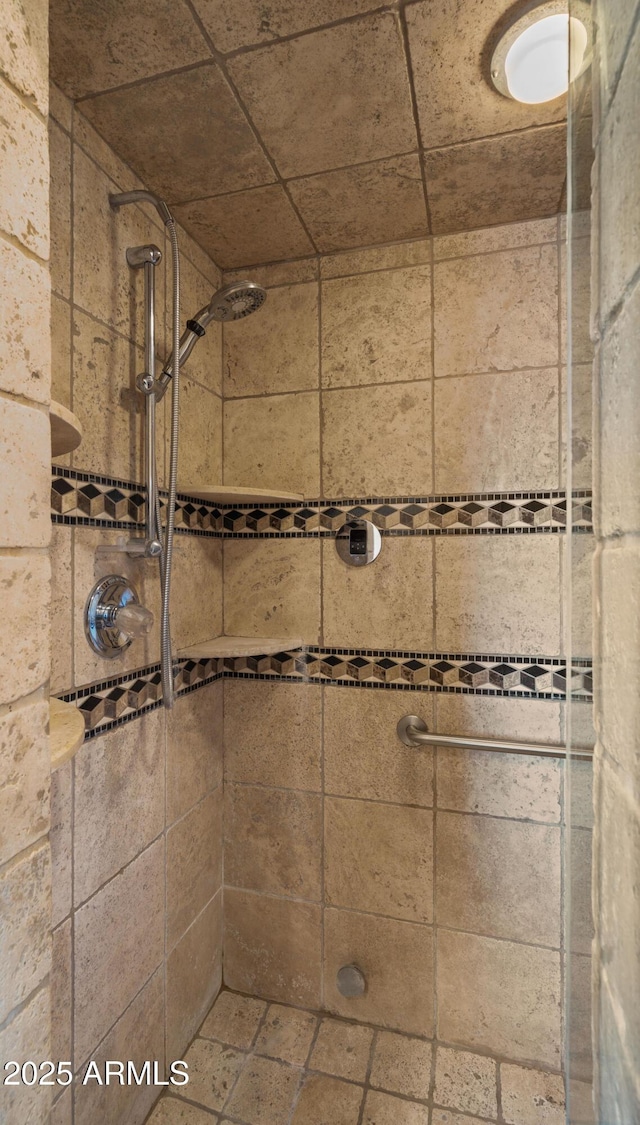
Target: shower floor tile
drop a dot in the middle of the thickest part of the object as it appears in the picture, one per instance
(256, 1063)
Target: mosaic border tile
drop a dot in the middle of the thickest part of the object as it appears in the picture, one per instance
(88, 500)
(109, 703)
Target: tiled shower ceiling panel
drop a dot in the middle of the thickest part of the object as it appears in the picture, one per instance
(285, 129)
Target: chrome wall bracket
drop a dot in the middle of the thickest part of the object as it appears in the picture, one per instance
(113, 616)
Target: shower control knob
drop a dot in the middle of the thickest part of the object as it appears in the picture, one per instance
(113, 616)
(351, 981)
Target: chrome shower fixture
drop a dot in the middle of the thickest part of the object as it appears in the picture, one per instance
(233, 302)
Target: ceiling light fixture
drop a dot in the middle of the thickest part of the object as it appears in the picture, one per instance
(540, 54)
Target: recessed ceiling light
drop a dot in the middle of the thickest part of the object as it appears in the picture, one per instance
(540, 54)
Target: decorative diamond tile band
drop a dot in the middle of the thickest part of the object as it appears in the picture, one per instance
(85, 499)
(109, 703)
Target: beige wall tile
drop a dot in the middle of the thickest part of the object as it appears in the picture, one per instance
(400, 586)
(288, 89)
(24, 50)
(25, 452)
(533, 720)
(194, 748)
(194, 864)
(402, 1065)
(497, 594)
(531, 1096)
(497, 432)
(204, 265)
(582, 563)
(466, 1082)
(61, 373)
(381, 201)
(277, 350)
(105, 400)
(60, 106)
(514, 786)
(194, 976)
(25, 580)
(364, 757)
(118, 801)
(62, 1109)
(258, 225)
(61, 842)
(25, 906)
(619, 165)
(272, 733)
(24, 796)
(502, 997)
(143, 575)
(265, 1091)
(498, 877)
(579, 1047)
(61, 991)
(579, 866)
(200, 440)
(119, 940)
(507, 237)
(25, 347)
(234, 1020)
(104, 285)
(379, 858)
(197, 572)
(60, 209)
(582, 347)
(530, 166)
(94, 145)
(230, 28)
(377, 330)
(273, 841)
(28, 1035)
(286, 1034)
(618, 508)
(581, 390)
(24, 175)
(383, 1109)
(342, 1049)
(618, 573)
(273, 442)
(481, 326)
(321, 1095)
(137, 1036)
(272, 589)
(397, 961)
(262, 936)
(377, 441)
(204, 365)
(399, 254)
(62, 608)
(276, 273)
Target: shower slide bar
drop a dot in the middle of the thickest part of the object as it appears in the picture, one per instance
(413, 731)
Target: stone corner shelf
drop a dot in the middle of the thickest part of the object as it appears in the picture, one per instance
(66, 731)
(66, 431)
(237, 494)
(241, 646)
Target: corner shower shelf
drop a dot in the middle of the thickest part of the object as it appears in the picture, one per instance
(66, 731)
(241, 646)
(66, 431)
(237, 494)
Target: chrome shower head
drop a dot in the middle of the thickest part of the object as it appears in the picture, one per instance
(236, 301)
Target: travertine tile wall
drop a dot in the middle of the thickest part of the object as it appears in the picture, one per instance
(25, 375)
(616, 326)
(137, 815)
(426, 367)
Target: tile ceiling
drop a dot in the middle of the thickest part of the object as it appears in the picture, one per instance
(280, 128)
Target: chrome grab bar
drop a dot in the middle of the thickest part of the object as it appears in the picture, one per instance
(413, 731)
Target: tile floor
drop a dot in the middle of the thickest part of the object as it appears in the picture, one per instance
(260, 1063)
(267, 1064)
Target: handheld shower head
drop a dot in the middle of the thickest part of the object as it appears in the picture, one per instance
(233, 302)
(237, 300)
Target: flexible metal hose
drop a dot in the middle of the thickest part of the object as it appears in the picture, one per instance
(167, 554)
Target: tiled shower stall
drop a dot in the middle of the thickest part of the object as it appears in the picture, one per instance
(240, 849)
